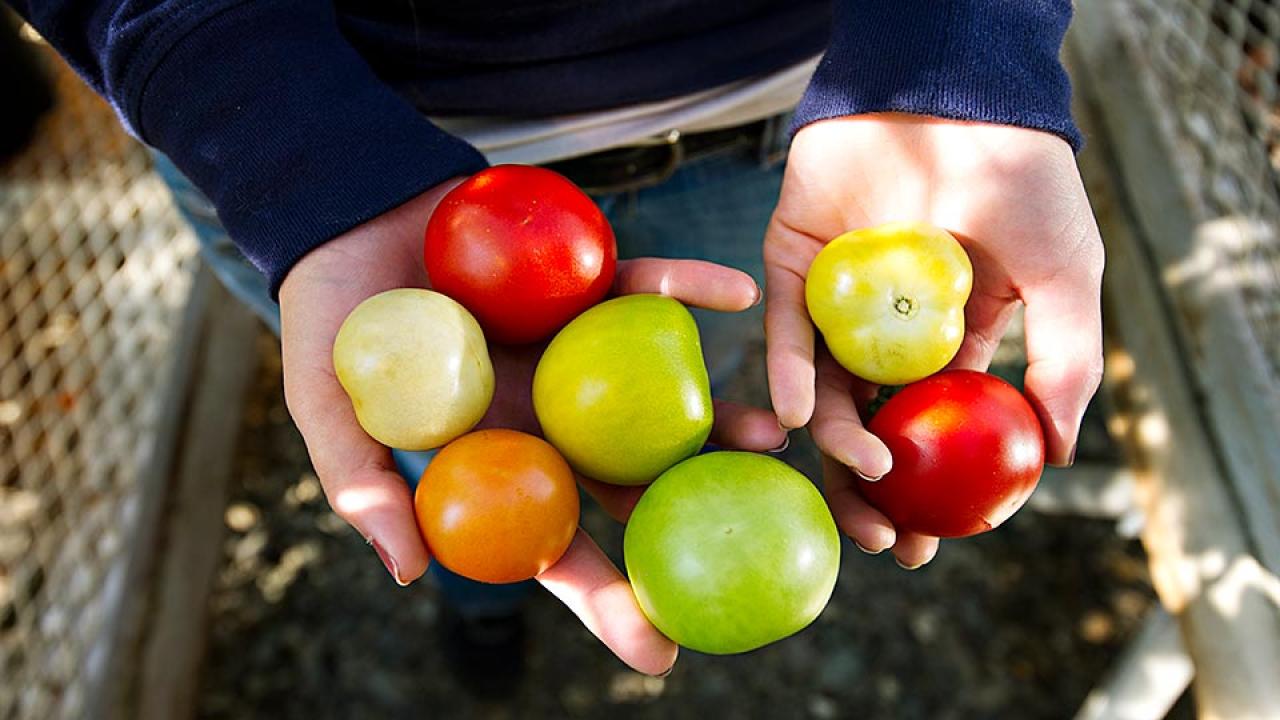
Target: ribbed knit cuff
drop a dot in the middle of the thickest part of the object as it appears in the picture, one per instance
(993, 61)
(271, 113)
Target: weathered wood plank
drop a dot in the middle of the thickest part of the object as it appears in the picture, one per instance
(1203, 556)
(152, 660)
(174, 646)
(1191, 251)
(1148, 677)
(1242, 399)
(117, 651)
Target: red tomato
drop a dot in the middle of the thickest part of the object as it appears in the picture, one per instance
(497, 506)
(967, 453)
(523, 249)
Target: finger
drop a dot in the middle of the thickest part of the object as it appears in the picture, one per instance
(836, 428)
(616, 500)
(988, 310)
(865, 525)
(357, 474)
(986, 319)
(865, 395)
(914, 550)
(693, 282)
(742, 427)
(1064, 360)
(588, 583)
(789, 346)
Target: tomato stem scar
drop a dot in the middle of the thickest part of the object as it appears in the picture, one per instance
(905, 307)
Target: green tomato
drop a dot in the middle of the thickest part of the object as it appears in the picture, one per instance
(416, 368)
(889, 300)
(622, 391)
(730, 551)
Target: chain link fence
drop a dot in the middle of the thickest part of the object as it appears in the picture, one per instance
(95, 271)
(1215, 65)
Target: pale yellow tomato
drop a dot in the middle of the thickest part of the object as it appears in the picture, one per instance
(889, 300)
(416, 368)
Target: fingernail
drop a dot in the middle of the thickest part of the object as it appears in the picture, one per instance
(868, 479)
(784, 428)
(666, 672)
(866, 550)
(786, 443)
(907, 567)
(388, 562)
(757, 301)
(1071, 458)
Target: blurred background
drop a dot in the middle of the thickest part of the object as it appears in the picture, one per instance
(166, 550)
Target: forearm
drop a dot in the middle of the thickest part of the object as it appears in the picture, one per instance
(264, 106)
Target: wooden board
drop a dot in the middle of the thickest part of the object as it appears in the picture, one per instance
(171, 655)
(119, 645)
(1189, 250)
(1203, 542)
(1148, 678)
(156, 662)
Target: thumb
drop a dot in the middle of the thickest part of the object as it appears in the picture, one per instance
(357, 474)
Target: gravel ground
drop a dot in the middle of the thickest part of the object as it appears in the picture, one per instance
(304, 622)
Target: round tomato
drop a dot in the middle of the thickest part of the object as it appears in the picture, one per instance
(498, 506)
(416, 368)
(522, 248)
(967, 451)
(622, 390)
(730, 551)
(889, 300)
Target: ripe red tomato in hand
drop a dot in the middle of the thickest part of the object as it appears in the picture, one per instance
(523, 249)
(967, 451)
(498, 506)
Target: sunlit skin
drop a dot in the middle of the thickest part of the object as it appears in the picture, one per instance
(967, 453)
(522, 248)
(1014, 199)
(357, 473)
(622, 390)
(498, 506)
(415, 366)
(889, 300)
(731, 551)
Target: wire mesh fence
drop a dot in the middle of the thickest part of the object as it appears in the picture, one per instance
(95, 270)
(1215, 65)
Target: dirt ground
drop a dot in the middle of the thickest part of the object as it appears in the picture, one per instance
(305, 623)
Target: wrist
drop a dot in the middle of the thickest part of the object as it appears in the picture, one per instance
(940, 140)
(378, 251)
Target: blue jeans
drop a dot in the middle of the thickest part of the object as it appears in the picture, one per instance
(712, 208)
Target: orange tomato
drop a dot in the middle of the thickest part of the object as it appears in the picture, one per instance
(498, 506)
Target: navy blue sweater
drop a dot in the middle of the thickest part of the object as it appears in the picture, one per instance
(301, 119)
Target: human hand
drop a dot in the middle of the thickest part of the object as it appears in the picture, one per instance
(358, 474)
(1014, 199)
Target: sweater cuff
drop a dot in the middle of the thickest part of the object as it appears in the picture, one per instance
(994, 61)
(270, 112)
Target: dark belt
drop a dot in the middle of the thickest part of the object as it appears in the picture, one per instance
(647, 164)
